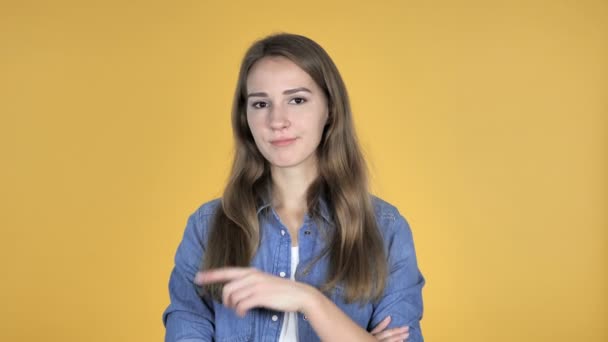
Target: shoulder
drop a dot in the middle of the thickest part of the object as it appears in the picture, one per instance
(389, 218)
(200, 220)
(194, 239)
(386, 213)
(395, 230)
(383, 209)
(207, 209)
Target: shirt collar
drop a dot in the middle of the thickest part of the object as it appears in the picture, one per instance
(323, 209)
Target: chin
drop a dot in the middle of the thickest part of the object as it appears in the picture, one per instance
(289, 160)
(285, 164)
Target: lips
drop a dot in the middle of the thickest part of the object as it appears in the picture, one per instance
(283, 142)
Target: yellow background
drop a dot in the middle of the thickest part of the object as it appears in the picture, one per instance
(485, 122)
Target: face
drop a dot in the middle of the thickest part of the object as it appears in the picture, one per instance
(286, 112)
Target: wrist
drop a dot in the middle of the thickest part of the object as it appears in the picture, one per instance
(311, 300)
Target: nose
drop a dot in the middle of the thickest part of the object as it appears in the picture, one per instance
(278, 117)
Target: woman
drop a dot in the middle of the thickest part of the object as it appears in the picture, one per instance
(296, 248)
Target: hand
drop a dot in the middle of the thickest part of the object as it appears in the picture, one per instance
(248, 288)
(391, 335)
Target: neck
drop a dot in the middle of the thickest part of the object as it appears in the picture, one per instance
(290, 186)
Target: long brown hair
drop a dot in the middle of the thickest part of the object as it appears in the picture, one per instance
(356, 250)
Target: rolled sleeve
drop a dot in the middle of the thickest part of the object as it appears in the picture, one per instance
(402, 299)
(188, 317)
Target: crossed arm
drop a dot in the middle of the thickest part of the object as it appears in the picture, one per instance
(248, 288)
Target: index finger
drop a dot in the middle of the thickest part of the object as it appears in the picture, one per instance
(220, 275)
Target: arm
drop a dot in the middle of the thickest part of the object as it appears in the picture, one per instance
(402, 299)
(330, 323)
(188, 317)
(248, 288)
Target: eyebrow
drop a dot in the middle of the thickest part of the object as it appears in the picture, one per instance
(286, 92)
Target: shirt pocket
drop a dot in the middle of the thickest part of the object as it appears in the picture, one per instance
(360, 313)
(229, 327)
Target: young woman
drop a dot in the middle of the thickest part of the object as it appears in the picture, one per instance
(296, 249)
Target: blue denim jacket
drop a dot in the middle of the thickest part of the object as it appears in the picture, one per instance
(190, 318)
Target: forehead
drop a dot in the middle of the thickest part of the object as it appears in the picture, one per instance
(276, 72)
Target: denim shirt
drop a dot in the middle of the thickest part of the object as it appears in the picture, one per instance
(190, 318)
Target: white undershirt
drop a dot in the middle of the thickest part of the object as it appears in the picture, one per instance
(289, 330)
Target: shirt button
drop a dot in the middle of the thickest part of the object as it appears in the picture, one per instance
(275, 318)
(282, 232)
(307, 232)
(282, 274)
(305, 318)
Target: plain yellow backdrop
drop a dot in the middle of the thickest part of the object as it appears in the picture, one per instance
(485, 122)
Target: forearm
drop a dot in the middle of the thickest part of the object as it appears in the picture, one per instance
(187, 327)
(330, 323)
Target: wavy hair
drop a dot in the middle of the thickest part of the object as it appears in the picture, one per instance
(355, 247)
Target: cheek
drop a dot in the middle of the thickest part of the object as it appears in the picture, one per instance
(254, 126)
(322, 123)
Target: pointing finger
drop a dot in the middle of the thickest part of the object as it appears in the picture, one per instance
(220, 275)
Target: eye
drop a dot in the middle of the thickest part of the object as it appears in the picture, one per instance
(259, 105)
(298, 100)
